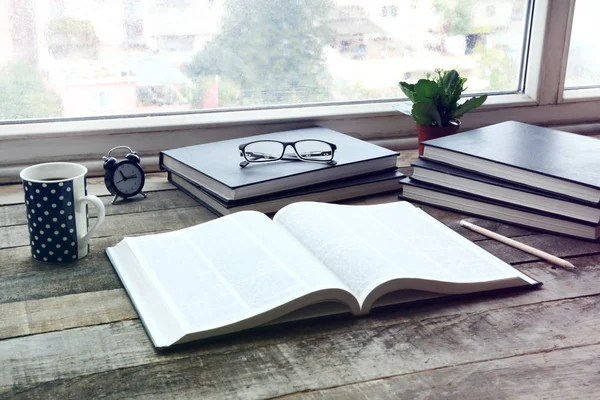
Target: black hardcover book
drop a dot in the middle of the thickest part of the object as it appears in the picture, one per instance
(215, 166)
(496, 210)
(350, 188)
(559, 162)
(492, 188)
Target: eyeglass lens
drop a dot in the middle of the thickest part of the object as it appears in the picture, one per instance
(314, 150)
(309, 150)
(263, 151)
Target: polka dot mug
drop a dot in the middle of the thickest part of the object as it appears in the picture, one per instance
(56, 202)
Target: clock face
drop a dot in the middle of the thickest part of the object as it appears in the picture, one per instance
(128, 178)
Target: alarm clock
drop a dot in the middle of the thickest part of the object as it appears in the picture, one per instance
(124, 178)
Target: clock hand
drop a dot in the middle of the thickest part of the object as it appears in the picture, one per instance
(123, 175)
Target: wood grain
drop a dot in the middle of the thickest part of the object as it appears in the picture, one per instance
(407, 157)
(558, 246)
(270, 364)
(26, 317)
(163, 200)
(71, 332)
(65, 312)
(122, 225)
(561, 374)
(23, 278)
(13, 194)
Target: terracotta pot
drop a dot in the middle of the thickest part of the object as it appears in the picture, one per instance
(433, 132)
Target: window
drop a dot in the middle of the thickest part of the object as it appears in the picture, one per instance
(261, 53)
(390, 11)
(86, 74)
(584, 53)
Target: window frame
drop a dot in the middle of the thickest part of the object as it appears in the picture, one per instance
(542, 102)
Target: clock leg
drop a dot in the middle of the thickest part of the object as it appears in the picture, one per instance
(143, 194)
(114, 200)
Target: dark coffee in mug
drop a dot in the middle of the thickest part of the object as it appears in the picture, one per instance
(58, 178)
(56, 202)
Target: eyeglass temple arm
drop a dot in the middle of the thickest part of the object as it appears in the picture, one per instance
(257, 155)
(316, 153)
(254, 155)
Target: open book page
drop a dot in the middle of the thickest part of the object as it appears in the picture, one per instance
(232, 269)
(367, 246)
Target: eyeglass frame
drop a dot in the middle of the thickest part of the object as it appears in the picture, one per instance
(246, 162)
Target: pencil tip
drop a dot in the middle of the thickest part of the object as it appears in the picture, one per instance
(569, 265)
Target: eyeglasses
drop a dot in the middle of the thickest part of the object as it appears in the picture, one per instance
(311, 150)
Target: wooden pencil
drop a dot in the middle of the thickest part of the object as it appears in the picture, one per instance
(521, 246)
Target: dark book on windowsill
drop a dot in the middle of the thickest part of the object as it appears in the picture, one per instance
(344, 189)
(215, 166)
(438, 196)
(473, 183)
(559, 162)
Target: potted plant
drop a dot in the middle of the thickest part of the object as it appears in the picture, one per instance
(435, 105)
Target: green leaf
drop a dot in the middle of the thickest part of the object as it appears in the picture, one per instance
(452, 85)
(426, 91)
(408, 89)
(426, 114)
(451, 79)
(469, 105)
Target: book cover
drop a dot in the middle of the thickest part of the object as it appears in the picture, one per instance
(358, 186)
(215, 165)
(470, 182)
(466, 203)
(526, 154)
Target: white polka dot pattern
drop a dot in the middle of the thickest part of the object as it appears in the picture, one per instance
(55, 219)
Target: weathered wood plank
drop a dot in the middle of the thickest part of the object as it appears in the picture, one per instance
(559, 374)
(22, 278)
(46, 315)
(26, 279)
(270, 364)
(160, 200)
(13, 193)
(555, 245)
(407, 157)
(65, 312)
(18, 235)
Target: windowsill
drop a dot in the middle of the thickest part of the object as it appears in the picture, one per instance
(575, 95)
(21, 130)
(86, 141)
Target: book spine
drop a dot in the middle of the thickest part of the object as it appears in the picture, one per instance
(201, 202)
(161, 166)
(457, 210)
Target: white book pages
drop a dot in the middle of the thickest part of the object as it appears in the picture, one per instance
(366, 246)
(231, 269)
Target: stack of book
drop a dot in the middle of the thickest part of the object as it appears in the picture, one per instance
(211, 173)
(515, 173)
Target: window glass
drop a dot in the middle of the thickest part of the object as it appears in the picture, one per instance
(584, 52)
(84, 58)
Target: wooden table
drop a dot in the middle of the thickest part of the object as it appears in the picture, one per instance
(71, 332)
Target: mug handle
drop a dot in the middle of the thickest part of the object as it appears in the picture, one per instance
(101, 212)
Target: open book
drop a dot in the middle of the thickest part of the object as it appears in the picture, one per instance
(246, 270)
